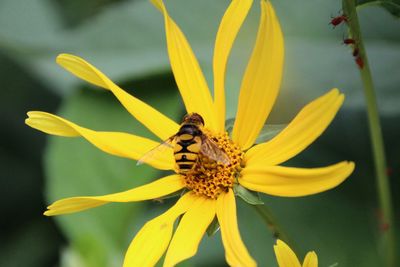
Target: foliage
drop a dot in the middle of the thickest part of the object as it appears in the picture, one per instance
(125, 39)
(392, 6)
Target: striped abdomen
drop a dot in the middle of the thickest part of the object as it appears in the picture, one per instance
(187, 147)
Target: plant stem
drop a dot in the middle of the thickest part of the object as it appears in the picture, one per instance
(272, 224)
(383, 187)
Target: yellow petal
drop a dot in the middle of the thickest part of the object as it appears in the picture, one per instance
(294, 182)
(152, 240)
(261, 82)
(309, 124)
(188, 75)
(285, 256)
(228, 29)
(156, 189)
(115, 143)
(190, 231)
(236, 253)
(311, 260)
(155, 121)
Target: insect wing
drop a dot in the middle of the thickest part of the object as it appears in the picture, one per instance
(210, 149)
(161, 148)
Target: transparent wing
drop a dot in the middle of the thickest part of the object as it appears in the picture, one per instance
(161, 148)
(210, 149)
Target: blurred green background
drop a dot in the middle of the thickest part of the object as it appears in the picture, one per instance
(125, 39)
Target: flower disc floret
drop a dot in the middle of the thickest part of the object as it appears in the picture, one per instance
(210, 178)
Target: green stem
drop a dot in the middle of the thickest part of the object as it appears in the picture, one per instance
(383, 187)
(272, 224)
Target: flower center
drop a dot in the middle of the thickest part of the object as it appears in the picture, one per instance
(210, 178)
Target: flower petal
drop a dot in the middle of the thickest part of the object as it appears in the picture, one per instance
(188, 75)
(158, 123)
(236, 253)
(294, 182)
(190, 231)
(285, 256)
(152, 240)
(261, 82)
(156, 189)
(309, 124)
(311, 260)
(228, 29)
(115, 143)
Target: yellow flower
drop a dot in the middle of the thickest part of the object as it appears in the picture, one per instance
(286, 257)
(254, 167)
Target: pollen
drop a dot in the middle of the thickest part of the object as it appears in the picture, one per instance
(210, 178)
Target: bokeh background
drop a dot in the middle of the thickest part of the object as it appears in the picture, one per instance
(126, 40)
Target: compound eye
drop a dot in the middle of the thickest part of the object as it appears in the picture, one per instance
(198, 118)
(201, 120)
(185, 118)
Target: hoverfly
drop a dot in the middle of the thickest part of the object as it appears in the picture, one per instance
(187, 144)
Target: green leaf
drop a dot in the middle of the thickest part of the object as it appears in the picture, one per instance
(171, 196)
(22, 249)
(71, 258)
(21, 175)
(392, 6)
(137, 47)
(28, 26)
(213, 228)
(74, 167)
(75, 12)
(269, 131)
(126, 40)
(229, 125)
(248, 196)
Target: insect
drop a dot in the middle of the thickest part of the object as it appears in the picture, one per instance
(356, 52)
(349, 41)
(335, 21)
(187, 143)
(359, 62)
